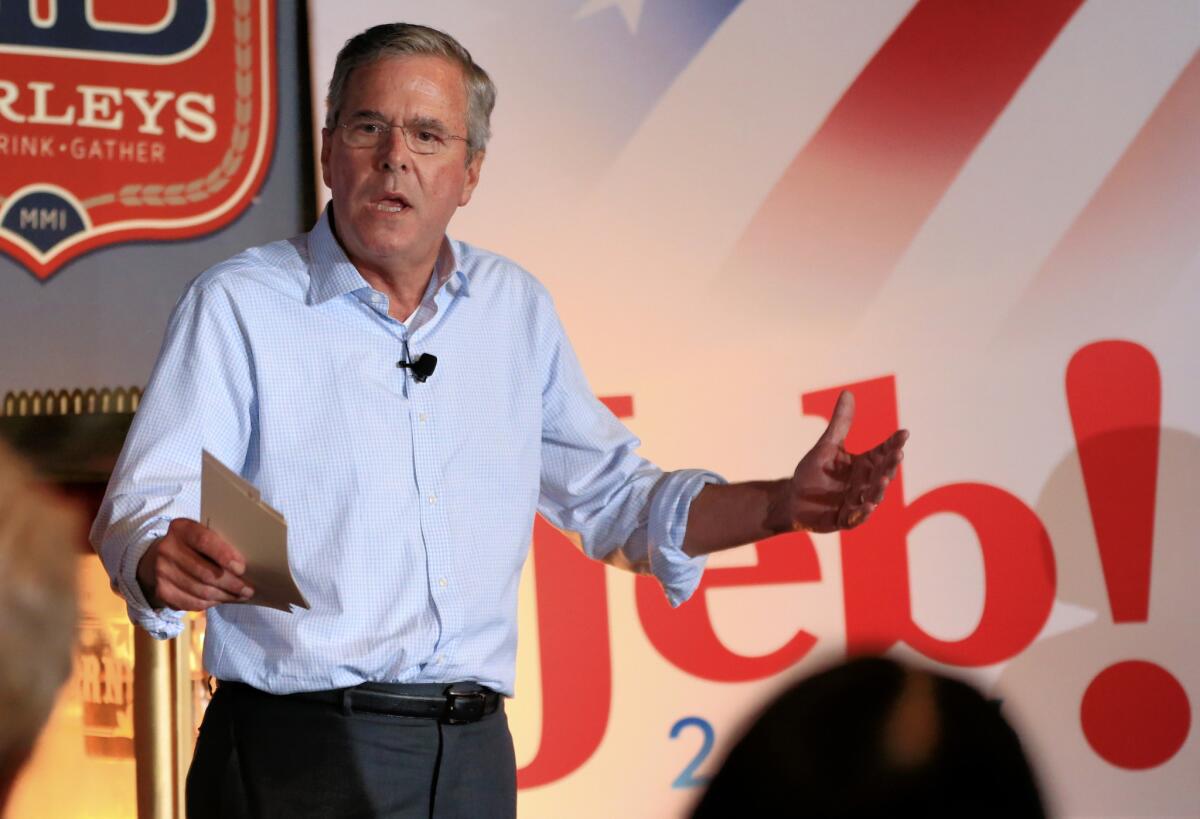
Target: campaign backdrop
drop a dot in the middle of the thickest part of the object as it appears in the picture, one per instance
(981, 217)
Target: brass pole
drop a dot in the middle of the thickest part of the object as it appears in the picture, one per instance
(181, 649)
(153, 725)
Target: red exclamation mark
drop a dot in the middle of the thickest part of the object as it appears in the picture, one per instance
(1135, 714)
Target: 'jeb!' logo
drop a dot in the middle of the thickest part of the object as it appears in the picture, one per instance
(123, 121)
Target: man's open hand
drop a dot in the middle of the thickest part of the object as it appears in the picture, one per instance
(191, 568)
(833, 489)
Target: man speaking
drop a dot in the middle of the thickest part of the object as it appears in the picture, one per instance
(408, 402)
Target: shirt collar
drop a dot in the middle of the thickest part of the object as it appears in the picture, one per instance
(332, 274)
(449, 269)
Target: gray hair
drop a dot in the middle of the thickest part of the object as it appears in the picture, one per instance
(405, 39)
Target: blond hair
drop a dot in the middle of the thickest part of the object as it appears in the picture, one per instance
(39, 533)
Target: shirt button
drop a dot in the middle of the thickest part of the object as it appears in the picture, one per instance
(421, 417)
(438, 659)
(432, 499)
(442, 582)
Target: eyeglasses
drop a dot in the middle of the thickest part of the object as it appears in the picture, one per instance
(421, 138)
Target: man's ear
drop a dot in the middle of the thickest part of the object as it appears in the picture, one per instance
(472, 177)
(326, 147)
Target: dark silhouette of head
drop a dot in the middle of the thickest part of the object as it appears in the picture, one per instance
(872, 738)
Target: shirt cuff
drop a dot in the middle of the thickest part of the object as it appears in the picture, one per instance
(678, 573)
(162, 624)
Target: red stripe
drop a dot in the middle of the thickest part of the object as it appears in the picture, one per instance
(1138, 233)
(853, 199)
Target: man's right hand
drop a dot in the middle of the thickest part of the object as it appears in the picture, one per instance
(191, 568)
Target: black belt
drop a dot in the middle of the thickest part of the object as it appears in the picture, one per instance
(454, 704)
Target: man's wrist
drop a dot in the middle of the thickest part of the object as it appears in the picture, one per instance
(779, 519)
(146, 578)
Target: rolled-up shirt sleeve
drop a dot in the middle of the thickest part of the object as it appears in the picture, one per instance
(678, 572)
(615, 505)
(199, 396)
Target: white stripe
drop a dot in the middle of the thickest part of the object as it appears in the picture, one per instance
(722, 136)
(1036, 170)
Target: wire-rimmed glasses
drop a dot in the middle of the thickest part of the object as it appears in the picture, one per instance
(421, 137)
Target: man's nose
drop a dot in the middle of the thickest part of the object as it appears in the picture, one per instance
(394, 151)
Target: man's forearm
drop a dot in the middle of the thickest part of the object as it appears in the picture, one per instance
(722, 517)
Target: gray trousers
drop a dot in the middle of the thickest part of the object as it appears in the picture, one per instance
(264, 756)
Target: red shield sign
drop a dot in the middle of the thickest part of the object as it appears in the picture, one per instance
(122, 121)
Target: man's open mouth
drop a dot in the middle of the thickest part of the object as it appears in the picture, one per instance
(392, 204)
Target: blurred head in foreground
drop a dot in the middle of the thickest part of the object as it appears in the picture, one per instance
(39, 533)
(872, 738)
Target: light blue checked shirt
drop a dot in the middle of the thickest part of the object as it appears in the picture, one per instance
(409, 506)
